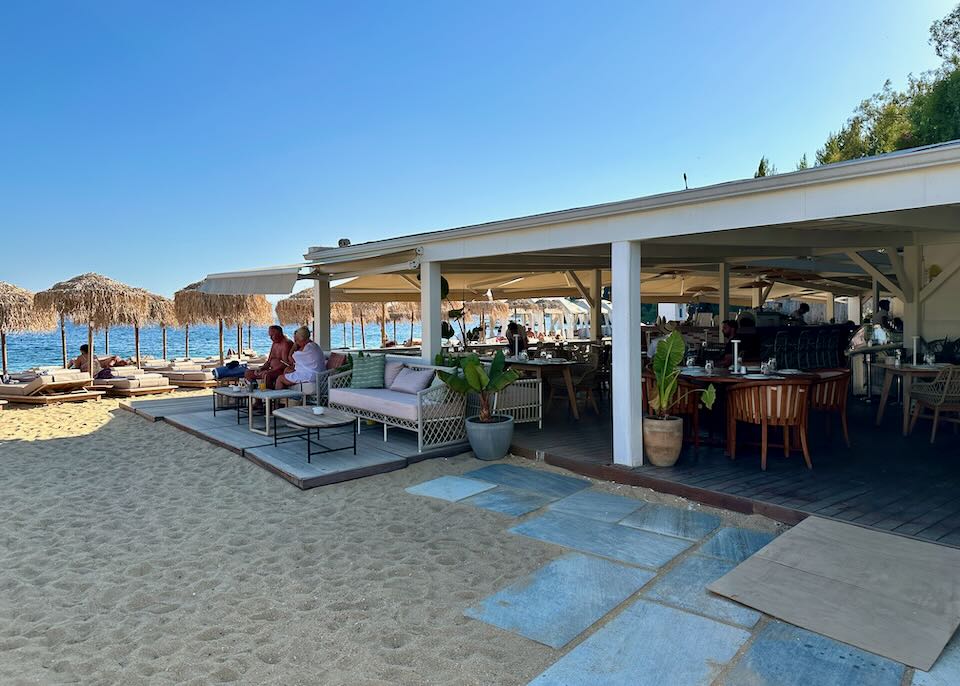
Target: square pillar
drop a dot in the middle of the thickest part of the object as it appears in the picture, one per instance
(627, 355)
(321, 313)
(724, 297)
(831, 307)
(430, 305)
(596, 316)
(912, 307)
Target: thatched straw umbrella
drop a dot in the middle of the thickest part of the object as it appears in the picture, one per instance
(95, 300)
(297, 309)
(160, 311)
(192, 306)
(492, 310)
(341, 313)
(258, 312)
(18, 314)
(371, 312)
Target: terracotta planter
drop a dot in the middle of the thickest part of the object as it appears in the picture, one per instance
(662, 440)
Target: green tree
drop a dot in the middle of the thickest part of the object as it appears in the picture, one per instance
(765, 168)
(803, 164)
(945, 36)
(934, 113)
(880, 124)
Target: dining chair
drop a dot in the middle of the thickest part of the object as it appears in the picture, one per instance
(940, 395)
(766, 403)
(829, 394)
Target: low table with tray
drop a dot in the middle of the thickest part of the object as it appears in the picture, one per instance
(309, 421)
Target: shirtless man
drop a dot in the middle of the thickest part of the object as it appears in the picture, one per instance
(82, 362)
(279, 358)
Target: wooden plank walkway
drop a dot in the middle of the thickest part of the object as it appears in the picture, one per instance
(288, 460)
(885, 481)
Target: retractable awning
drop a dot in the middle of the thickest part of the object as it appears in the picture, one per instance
(266, 281)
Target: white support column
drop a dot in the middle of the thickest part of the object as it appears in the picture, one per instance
(913, 306)
(430, 310)
(627, 355)
(831, 307)
(596, 314)
(724, 296)
(321, 313)
(875, 294)
(855, 309)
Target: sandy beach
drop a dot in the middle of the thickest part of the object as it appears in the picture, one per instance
(135, 553)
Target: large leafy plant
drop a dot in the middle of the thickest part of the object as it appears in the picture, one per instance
(666, 371)
(469, 375)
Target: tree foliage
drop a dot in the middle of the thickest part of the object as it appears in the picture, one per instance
(765, 168)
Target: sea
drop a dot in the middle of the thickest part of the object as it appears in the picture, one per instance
(27, 350)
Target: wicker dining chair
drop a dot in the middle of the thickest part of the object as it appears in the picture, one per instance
(769, 403)
(940, 395)
(829, 394)
(689, 405)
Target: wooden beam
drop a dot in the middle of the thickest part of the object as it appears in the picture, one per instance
(901, 273)
(940, 279)
(765, 293)
(584, 293)
(872, 271)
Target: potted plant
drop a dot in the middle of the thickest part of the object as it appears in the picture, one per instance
(663, 432)
(489, 434)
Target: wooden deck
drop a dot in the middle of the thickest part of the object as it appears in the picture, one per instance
(885, 481)
(288, 460)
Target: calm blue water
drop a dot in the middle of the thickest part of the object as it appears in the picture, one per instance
(32, 350)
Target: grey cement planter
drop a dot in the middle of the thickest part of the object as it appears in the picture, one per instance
(490, 441)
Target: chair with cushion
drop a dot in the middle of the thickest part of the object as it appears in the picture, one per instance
(940, 395)
(829, 394)
(769, 403)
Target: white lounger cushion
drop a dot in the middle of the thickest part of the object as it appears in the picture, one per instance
(379, 400)
(190, 376)
(142, 381)
(21, 388)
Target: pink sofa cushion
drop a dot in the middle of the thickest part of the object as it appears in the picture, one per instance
(336, 360)
(390, 372)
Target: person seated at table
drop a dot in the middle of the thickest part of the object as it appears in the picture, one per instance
(729, 328)
(82, 362)
(516, 340)
(883, 313)
(800, 315)
(307, 360)
(277, 358)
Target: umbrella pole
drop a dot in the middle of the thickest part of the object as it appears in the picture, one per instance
(344, 334)
(221, 342)
(353, 334)
(363, 334)
(63, 340)
(186, 340)
(239, 339)
(136, 343)
(106, 341)
(90, 356)
(394, 330)
(3, 351)
(383, 325)
(163, 336)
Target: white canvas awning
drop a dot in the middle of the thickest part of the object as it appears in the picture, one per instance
(266, 281)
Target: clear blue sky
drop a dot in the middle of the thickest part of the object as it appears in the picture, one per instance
(197, 137)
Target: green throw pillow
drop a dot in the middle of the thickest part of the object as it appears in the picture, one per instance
(368, 371)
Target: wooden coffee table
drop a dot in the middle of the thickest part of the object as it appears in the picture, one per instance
(303, 417)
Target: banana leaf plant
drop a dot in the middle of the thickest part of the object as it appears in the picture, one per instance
(666, 371)
(470, 376)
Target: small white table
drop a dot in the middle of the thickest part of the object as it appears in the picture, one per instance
(267, 397)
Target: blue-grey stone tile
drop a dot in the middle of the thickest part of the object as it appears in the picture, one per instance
(557, 602)
(946, 670)
(673, 521)
(450, 488)
(602, 538)
(508, 501)
(533, 480)
(604, 507)
(648, 645)
(686, 586)
(786, 655)
(735, 544)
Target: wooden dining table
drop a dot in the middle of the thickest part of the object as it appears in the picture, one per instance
(907, 372)
(540, 368)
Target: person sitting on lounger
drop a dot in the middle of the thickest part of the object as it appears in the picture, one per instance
(308, 359)
(82, 362)
(279, 353)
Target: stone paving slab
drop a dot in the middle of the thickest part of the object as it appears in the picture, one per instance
(535, 481)
(673, 521)
(786, 655)
(946, 670)
(735, 544)
(508, 501)
(685, 586)
(604, 507)
(602, 538)
(450, 488)
(648, 644)
(557, 602)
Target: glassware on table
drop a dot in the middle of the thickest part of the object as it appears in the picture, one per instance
(929, 359)
(772, 365)
(549, 356)
(708, 366)
(262, 384)
(764, 368)
(898, 359)
(691, 361)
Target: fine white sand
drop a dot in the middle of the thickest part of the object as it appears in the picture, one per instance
(132, 552)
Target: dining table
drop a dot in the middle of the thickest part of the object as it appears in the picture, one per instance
(907, 373)
(542, 367)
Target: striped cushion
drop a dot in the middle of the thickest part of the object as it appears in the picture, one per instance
(368, 371)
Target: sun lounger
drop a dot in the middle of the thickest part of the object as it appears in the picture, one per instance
(128, 382)
(51, 386)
